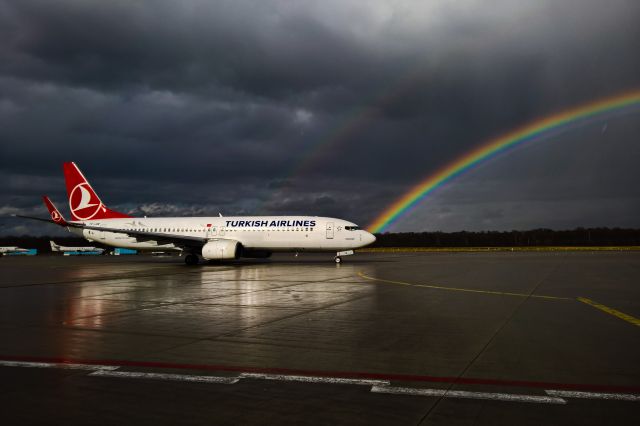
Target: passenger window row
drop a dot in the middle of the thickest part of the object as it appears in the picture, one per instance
(157, 230)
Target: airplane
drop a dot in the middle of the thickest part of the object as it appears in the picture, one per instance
(12, 249)
(214, 238)
(56, 247)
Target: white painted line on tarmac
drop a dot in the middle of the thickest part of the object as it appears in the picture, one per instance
(60, 365)
(377, 386)
(314, 379)
(594, 395)
(163, 376)
(468, 395)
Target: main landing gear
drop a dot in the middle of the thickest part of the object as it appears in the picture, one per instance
(338, 258)
(191, 259)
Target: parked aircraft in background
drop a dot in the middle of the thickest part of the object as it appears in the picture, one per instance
(12, 249)
(212, 238)
(55, 247)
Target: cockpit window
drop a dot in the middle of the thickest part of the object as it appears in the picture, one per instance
(351, 228)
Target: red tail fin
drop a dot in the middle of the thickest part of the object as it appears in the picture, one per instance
(84, 203)
(56, 216)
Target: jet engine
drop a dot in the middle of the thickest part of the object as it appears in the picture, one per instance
(221, 249)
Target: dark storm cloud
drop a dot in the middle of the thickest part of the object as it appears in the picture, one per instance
(187, 46)
(196, 107)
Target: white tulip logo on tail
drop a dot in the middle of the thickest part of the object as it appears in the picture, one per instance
(56, 216)
(84, 204)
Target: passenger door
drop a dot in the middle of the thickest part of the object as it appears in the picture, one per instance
(329, 230)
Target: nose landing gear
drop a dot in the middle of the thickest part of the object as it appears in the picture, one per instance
(338, 258)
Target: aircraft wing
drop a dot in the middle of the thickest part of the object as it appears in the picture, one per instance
(142, 236)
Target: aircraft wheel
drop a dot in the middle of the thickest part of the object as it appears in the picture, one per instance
(338, 259)
(191, 259)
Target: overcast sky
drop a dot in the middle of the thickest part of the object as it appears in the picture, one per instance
(330, 107)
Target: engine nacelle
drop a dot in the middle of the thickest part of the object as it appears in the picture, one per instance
(221, 249)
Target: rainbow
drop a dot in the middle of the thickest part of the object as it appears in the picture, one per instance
(556, 123)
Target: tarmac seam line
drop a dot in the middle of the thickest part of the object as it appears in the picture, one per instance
(161, 304)
(275, 320)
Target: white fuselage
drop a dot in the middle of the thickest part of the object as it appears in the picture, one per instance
(12, 250)
(76, 249)
(272, 233)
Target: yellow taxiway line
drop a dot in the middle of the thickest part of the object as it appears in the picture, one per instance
(621, 315)
(611, 311)
(466, 290)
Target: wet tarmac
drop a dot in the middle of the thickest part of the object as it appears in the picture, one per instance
(421, 338)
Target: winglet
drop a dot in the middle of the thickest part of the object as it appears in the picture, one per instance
(55, 214)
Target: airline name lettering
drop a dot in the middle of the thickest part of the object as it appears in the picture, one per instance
(269, 224)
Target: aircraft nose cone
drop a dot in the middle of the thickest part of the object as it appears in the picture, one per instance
(369, 238)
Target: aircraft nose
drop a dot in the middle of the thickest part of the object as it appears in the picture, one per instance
(369, 238)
